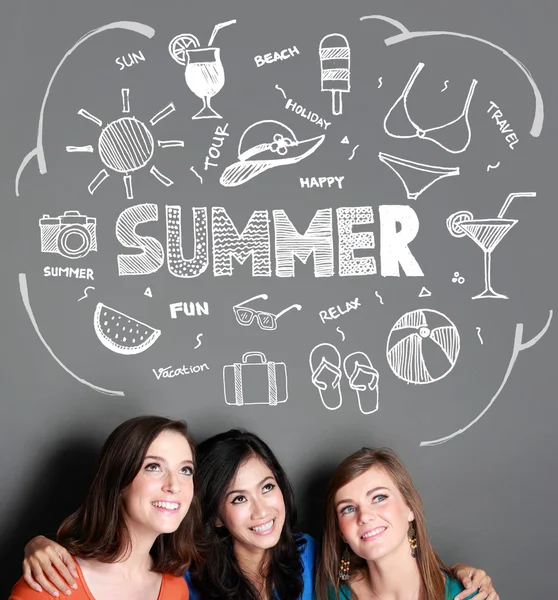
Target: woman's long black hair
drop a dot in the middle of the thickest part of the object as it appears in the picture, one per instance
(218, 575)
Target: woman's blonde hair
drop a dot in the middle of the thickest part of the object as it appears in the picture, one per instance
(429, 563)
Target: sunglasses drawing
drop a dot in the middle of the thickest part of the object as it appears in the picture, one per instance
(266, 320)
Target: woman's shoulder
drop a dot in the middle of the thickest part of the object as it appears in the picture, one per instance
(21, 591)
(453, 587)
(308, 546)
(174, 588)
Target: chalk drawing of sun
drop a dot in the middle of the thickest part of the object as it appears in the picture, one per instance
(126, 145)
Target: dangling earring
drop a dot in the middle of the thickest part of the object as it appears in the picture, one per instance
(345, 564)
(412, 537)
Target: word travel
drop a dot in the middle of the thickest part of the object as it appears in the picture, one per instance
(398, 227)
(321, 182)
(511, 138)
(334, 312)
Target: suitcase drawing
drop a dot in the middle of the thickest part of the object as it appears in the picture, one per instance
(255, 380)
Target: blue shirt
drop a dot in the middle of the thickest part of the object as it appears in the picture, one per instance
(308, 558)
(453, 587)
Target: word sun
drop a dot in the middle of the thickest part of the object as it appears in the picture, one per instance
(398, 226)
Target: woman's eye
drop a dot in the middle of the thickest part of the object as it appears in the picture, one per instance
(268, 487)
(152, 467)
(238, 499)
(187, 471)
(380, 498)
(346, 510)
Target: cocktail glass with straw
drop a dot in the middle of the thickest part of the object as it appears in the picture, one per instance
(487, 234)
(204, 73)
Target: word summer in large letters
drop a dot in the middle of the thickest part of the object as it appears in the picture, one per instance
(356, 244)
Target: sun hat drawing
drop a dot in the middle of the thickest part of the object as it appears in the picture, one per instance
(265, 145)
(38, 151)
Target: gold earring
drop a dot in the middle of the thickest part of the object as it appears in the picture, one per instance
(412, 537)
(345, 565)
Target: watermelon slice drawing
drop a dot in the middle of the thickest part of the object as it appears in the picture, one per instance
(122, 334)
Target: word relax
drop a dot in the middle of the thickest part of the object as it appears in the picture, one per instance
(334, 312)
(398, 226)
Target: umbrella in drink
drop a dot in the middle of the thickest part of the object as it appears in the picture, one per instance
(204, 71)
(487, 234)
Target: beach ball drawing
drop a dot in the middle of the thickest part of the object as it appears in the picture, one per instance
(423, 346)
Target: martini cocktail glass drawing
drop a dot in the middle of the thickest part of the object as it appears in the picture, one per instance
(487, 234)
(204, 73)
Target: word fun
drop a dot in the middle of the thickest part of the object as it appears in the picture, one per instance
(190, 309)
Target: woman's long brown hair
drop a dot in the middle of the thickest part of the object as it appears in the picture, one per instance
(429, 563)
(97, 529)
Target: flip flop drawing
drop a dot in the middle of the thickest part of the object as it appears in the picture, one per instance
(364, 379)
(325, 365)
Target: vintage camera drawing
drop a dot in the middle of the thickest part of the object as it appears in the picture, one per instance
(71, 235)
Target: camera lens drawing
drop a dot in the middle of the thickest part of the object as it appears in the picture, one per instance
(126, 145)
(60, 234)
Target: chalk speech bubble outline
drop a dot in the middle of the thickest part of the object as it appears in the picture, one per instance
(518, 346)
(38, 151)
(24, 290)
(405, 35)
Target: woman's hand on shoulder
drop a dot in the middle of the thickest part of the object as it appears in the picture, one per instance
(477, 584)
(49, 566)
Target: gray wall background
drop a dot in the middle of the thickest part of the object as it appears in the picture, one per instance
(490, 493)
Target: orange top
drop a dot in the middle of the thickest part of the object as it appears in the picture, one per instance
(172, 588)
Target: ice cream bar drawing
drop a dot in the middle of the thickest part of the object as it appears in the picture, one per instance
(335, 63)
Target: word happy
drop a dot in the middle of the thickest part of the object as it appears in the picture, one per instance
(398, 227)
(321, 182)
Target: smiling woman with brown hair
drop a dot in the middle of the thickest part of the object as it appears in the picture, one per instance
(133, 534)
(375, 541)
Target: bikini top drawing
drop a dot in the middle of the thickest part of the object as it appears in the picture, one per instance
(439, 134)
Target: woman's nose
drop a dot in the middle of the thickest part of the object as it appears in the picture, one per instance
(366, 515)
(259, 509)
(171, 484)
